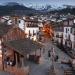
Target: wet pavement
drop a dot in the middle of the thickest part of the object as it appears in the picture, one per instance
(5, 73)
(44, 67)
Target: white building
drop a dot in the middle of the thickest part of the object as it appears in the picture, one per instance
(32, 29)
(67, 34)
(58, 32)
(29, 25)
(72, 37)
(21, 23)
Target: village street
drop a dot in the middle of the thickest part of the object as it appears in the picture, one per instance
(43, 68)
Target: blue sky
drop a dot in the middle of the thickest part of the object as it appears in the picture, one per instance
(40, 2)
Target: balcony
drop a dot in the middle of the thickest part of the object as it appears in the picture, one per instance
(32, 25)
(59, 36)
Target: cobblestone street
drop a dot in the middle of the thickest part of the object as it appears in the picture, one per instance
(43, 68)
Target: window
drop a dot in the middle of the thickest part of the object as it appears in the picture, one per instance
(19, 21)
(33, 33)
(65, 36)
(70, 22)
(69, 37)
(66, 30)
(29, 33)
(71, 30)
(65, 23)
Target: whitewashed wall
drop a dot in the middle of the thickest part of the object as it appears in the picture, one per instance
(31, 29)
(21, 24)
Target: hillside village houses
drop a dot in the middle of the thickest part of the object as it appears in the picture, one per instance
(14, 46)
(30, 25)
(68, 35)
(64, 32)
(32, 28)
(58, 32)
(63, 27)
(4, 18)
(20, 35)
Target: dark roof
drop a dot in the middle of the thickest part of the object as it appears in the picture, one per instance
(4, 28)
(34, 21)
(5, 73)
(24, 46)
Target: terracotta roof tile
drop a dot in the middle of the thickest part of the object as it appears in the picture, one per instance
(4, 29)
(24, 46)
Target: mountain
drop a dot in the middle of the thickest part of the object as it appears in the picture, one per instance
(38, 7)
(11, 4)
(49, 9)
(67, 9)
(12, 8)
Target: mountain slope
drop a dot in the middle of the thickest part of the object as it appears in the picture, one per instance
(15, 8)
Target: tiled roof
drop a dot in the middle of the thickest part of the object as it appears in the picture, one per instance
(23, 46)
(5, 73)
(4, 29)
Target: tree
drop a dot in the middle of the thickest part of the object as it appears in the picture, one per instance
(48, 31)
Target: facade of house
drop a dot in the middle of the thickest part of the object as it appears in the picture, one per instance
(72, 37)
(58, 32)
(16, 52)
(8, 33)
(15, 48)
(64, 32)
(31, 28)
(67, 38)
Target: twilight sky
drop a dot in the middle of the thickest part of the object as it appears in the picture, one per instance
(41, 2)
